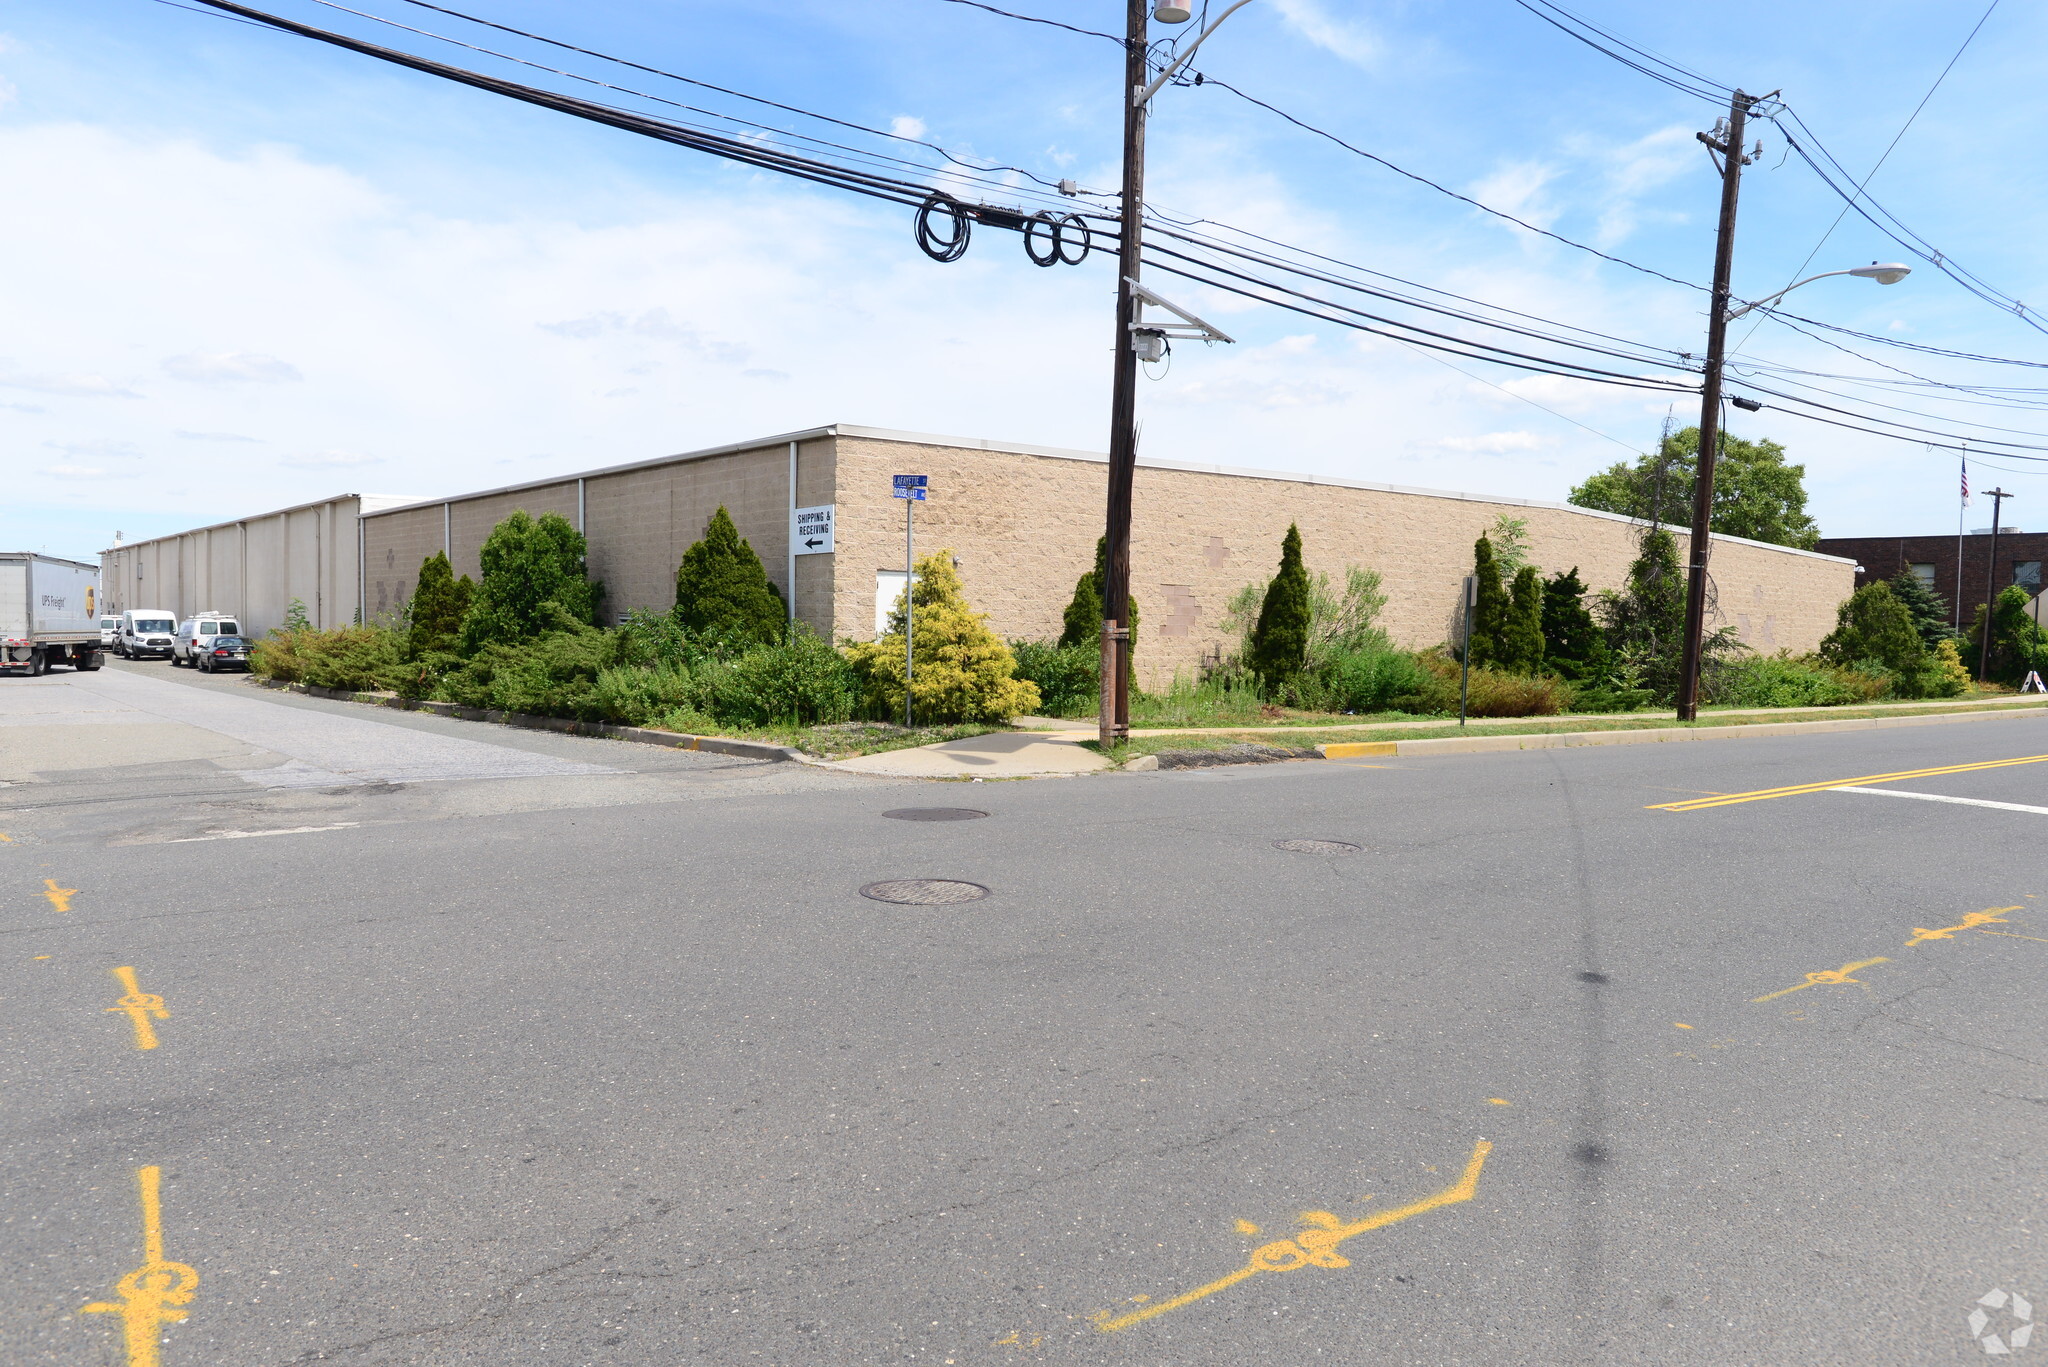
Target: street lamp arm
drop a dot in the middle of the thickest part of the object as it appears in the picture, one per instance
(1149, 91)
(1766, 303)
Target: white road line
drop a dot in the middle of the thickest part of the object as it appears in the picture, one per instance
(1938, 797)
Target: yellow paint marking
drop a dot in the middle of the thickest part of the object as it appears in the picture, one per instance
(5, 838)
(1353, 749)
(42, 956)
(60, 898)
(1498, 1101)
(1681, 1025)
(1762, 794)
(1971, 920)
(148, 1293)
(1826, 975)
(1316, 1244)
(1247, 1227)
(140, 1006)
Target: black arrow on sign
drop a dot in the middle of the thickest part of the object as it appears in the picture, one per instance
(814, 542)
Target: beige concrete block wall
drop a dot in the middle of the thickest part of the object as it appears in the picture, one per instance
(637, 522)
(1023, 527)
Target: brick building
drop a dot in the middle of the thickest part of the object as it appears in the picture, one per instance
(2020, 558)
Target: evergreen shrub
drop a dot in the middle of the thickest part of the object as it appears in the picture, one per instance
(439, 603)
(964, 672)
(723, 590)
(534, 577)
(1065, 675)
(1279, 644)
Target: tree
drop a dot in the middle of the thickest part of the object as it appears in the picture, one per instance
(723, 590)
(439, 603)
(1489, 614)
(1646, 621)
(534, 581)
(1873, 625)
(1521, 635)
(1082, 622)
(1924, 605)
(963, 672)
(1280, 640)
(1756, 494)
(1572, 643)
(2017, 643)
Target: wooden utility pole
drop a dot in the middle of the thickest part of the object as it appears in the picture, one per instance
(1731, 163)
(1998, 498)
(1115, 714)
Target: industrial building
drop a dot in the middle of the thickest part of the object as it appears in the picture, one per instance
(1956, 567)
(1021, 521)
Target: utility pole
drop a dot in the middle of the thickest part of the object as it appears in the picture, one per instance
(1115, 713)
(1998, 498)
(1731, 163)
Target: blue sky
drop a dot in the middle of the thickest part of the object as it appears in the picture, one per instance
(250, 270)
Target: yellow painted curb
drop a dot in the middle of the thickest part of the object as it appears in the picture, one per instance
(1354, 749)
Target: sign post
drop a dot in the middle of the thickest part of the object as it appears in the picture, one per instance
(911, 489)
(1465, 674)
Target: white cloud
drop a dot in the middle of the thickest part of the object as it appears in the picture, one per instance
(1493, 443)
(76, 385)
(1516, 188)
(231, 367)
(24, 407)
(213, 436)
(904, 126)
(1342, 38)
(103, 448)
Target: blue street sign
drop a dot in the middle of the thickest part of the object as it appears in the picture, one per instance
(909, 486)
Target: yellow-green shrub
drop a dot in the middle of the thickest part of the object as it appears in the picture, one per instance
(963, 671)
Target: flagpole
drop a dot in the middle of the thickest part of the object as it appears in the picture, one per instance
(1960, 516)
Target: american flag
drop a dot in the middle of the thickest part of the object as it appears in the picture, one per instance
(1966, 483)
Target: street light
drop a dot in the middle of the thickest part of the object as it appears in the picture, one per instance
(1883, 272)
(1132, 333)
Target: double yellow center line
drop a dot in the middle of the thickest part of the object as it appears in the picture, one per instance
(1764, 794)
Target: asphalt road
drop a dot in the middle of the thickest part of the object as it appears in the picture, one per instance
(619, 1067)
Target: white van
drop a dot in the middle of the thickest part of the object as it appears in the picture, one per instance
(145, 632)
(110, 627)
(195, 636)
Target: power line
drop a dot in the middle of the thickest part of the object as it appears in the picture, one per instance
(1034, 19)
(1203, 79)
(1889, 147)
(1673, 75)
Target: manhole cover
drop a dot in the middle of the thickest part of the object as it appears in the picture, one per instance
(924, 892)
(1316, 846)
(935, 814)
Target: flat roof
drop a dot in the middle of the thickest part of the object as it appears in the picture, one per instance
(1056, 453)
(363, 503)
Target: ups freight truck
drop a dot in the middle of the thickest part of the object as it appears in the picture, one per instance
(49, 613)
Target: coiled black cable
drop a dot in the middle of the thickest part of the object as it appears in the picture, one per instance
(950, 248)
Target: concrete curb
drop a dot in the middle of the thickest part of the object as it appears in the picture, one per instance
(1561, 740)
(669, 740)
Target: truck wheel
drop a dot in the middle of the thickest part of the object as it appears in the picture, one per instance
(36, 664)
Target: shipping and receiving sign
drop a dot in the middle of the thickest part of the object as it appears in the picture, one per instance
(810, 530)
(910, 486)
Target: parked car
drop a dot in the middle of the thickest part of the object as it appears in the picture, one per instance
(196, 636)
(110, 627)
(145, 632)
(223, 652)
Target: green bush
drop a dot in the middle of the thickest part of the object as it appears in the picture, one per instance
(1926, 607)
(550, 676)
(439, 603)
(533, 577)
(1081, 623)
(1379, 678)
(1279, 645)
(640, 695)
(1573, 645)
(1780, 681)
(1872, 624)
(1484, 621)
(1493, 692)
(2017, 644)
(356, 658)
(802, 681)
(1065, 675)
(1646, 620)
(722, 589)
(1521, 635)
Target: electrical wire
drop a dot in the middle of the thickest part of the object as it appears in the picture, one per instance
(1034, 19)
(1882, 159)
(1204, 79)
(1673, 75)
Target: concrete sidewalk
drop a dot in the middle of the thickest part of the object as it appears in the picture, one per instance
(1002, 754)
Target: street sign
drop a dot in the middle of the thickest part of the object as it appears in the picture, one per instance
(810, 530)
(909, 486)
